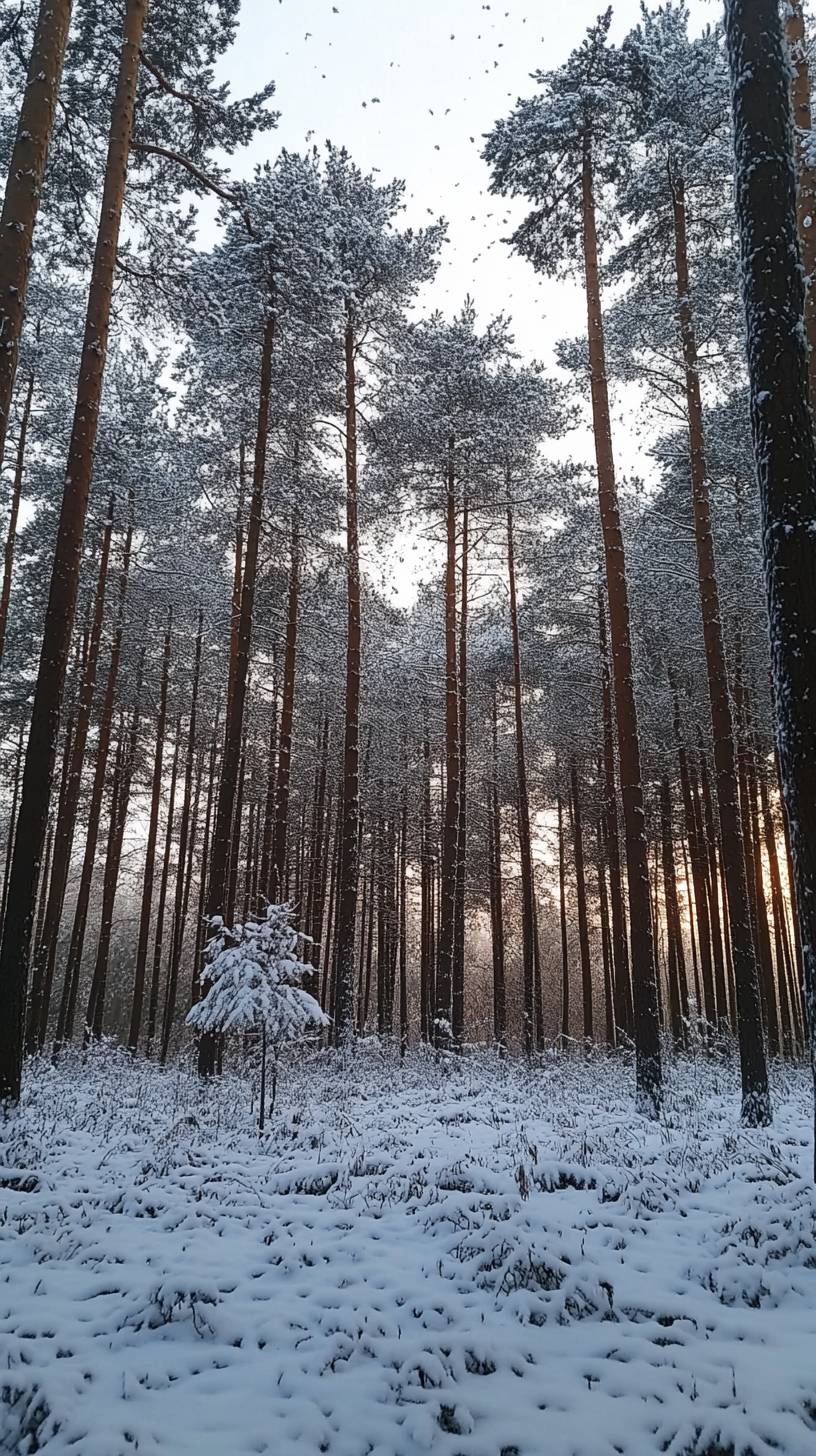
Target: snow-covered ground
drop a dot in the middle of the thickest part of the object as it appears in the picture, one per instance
(477, 1261)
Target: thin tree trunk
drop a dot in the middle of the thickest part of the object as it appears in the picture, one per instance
(205, 854)
(16, 493)
(447, 890)
(644, 980)
(403, 912)
(458, 978)
(24, 180)
(235, 843)
(234, 721)
(624, 1012)
(562, 901)
(756, 1104)
(177, 937)
(528, 926)
(280, 832)
(581, 899)
(150, 850)
(70, 986)
(59, 618)
(12, 825)
(710, 836)
(349, 842)
(158, 943)
(676, 968)
(494, 846)
(46, 945)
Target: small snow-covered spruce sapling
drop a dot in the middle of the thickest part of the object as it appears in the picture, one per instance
(251, 977)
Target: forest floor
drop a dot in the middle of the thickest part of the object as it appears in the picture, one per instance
(481, 1260)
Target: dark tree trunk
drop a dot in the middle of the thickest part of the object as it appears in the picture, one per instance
(59, 617)
(458, 984)
(562, 901)
(756, 1105)
(150, 851)
(644, 979)
(497, 895)
(177, 937)
(205, 857)
(158, 944)
(805, 174)
(235, 843)
(447, 891)
(234, 723)
(70, 986)
(350, 813)
(280, 888)
(528, 917)
(12, 824)
(24, 180)
(427, 949)
(773, 291)
(710, 836)
(676, 965)
(581, 899)
(624, 1013)
(16, 493)
(46, 945)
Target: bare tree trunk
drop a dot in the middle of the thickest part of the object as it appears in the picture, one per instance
(402, 853)
(24, 180)
(46, 945)
(59, 617)
(458, 978)
(280, 833)
(710, 836)
(676, 966)
(782, 426)
(70, 986)
(150, 850)
(349, 867)
(562, 900)
(177, 936)
(234, 722)
(205, 854)
(624, 1013)
(12, 825)
(756, 1104)
(158, 943)
(235, 843)
(581, 899)
(805, 175)
(644, 979)
(528, 918)
(447, 895)
(16, 493)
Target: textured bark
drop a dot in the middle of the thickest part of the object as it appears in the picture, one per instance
(201, 922)
(59, 616)
(805, 175)
(14, 506)
(179, 916)
(161, 907)
(237, 685)
(281, 828)
(70, 986)
(675, 958)
(427, 915)
(46, 943)
(756, 1105)
(581, 899)
(235, 843)
(622, 981)
(447, 888)
(691, 816)
(644, 980)
(21, 201)
(458, 980)
(528, 918)
(150, 850)
(12, 824)
(348, 871)
(562, 902)
(497, 895)
(710, 834)
(403, 914)
(782, 426)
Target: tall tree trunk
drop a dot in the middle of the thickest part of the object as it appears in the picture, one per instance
(235, 842)
(707, 1006)
(205, 859)
(94, 1020)
(12, 824)
(624, 1013)
(781, 945)
(528, 918)
(644, 979)
(73, 965)
(46, 945)
(773, 292)
(349, 841)
(21, 201)
(14, 507)
(458, 982)
(710, 835)
(177, 937)
(447, 890)
(497, 894)
(756, 1104)
(234, 721)
(150, 849)
(403, 911)
(676, 967)
(805, 175)
(59, 617)
(158, 942)
(280, 832)
(562, 901)
(271, 785)
(581, 899)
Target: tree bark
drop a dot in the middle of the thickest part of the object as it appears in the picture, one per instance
(177, 936)
(581, 899)
(805, 175)
(458, 978)
(622, 982)
(59, 617)
(14, 508)
(646, 1017)
(562, 902)
(234, 721)
(280, 832)
(150, 850)
(21, 201)
(497, 895)
(756, 1105)
(528, 917)
(447, 893)
(158, 943)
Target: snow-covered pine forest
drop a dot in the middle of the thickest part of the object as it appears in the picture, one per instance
(407, 738)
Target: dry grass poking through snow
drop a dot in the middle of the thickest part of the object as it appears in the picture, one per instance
(478, 1260)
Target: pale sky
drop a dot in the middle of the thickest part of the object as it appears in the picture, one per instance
(443, 71)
